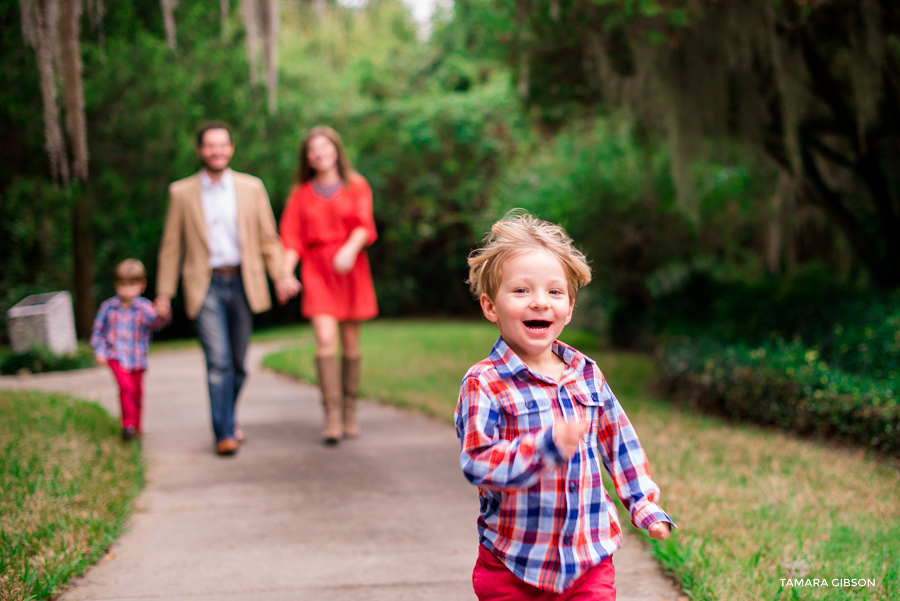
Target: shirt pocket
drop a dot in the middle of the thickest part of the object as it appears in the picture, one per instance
(591, 404)
(523, 415)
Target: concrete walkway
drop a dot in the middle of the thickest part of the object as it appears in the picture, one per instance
(385, 516)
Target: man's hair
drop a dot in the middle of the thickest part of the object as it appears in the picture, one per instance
(212, 125)
(518, 233)
(130, 271)
(305, 172)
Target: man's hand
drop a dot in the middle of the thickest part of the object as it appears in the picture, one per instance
(287, 288)
(567, 435)
(100, 360)
(659, 530)
(163, 306)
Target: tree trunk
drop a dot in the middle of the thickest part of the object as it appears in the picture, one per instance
(250, 15)
(270, 19)
(168, 9)
(76, 126)
(83, 251)
(224, 9)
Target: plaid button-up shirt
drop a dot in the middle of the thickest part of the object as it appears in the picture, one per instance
(123, 333)
(549, 519)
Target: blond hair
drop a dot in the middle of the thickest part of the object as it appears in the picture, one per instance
(518, 233)
(130, 271)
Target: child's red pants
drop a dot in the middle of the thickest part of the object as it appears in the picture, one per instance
(494, 582)
(131, 390)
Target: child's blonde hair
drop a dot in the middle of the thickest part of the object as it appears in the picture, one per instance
(515, 234)
(130, 271)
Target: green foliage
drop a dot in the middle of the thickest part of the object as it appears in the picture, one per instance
(68, 485)
(783, 384)
(41, 359)
(611, 188)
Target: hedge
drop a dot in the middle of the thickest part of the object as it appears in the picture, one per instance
(783, 384)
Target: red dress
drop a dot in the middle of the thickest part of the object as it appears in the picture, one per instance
(315, 227)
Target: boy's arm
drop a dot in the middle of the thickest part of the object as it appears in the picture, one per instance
(491, 462)
(98, 342)
(626, 462)
(155, 318)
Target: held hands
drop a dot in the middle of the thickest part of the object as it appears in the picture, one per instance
(567, 435)
(287, 288)
(100, 360)
(163, 306)
(659, 530)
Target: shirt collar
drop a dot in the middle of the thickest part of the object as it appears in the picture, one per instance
(207, 183)
(509, 364)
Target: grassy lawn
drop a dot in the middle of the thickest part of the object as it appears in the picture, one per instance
(754, 506)
(67, 485)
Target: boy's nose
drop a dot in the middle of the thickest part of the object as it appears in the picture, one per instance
(539, 301)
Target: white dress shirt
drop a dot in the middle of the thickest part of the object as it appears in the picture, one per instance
(220, 213)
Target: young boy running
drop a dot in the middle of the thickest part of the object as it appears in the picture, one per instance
(536, 420)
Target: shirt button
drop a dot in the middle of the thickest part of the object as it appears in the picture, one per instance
(567, 539)
(573, 486)
(529, 404)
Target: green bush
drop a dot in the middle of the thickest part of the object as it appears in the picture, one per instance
(41, 359)
(784, 384)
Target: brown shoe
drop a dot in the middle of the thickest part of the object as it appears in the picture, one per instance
(227, 446)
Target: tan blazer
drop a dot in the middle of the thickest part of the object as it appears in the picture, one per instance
(184, 248)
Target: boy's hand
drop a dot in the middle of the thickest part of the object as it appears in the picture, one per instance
(567, 435)
(101, 360)
(659, 530)
(163, 306)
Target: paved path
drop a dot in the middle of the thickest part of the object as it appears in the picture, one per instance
(385, 516)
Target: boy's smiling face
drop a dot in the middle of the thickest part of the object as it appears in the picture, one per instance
(532, 304)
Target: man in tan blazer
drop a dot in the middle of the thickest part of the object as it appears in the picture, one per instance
(220, 236)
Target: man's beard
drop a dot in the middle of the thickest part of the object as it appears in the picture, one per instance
(212, 171)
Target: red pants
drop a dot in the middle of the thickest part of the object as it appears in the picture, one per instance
(494, 582)
(131, 389)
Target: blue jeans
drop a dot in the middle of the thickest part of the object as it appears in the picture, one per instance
(224, 326)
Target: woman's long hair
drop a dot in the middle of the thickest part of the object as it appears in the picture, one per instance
(305, 172)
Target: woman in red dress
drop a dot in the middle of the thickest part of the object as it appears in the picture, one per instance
(326, 226)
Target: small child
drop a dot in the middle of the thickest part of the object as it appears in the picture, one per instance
(536, 420)
(121, 339)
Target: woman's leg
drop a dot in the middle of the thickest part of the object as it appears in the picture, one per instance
(350, 365)
(326, 330)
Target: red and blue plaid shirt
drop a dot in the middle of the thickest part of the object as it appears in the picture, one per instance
(123, 333)
(549, 519)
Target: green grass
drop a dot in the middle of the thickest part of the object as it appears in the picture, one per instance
(753, 505)
(67, 485)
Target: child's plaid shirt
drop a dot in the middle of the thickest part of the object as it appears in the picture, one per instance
(123, 333)
(549, 520)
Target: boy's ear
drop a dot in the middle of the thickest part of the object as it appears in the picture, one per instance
(487, 307)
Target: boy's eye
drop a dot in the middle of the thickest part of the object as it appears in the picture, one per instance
(519, 290)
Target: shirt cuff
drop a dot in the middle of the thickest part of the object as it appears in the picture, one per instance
(646, 513)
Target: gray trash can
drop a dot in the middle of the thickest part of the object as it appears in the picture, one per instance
(43, 320)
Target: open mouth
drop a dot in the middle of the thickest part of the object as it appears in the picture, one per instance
(537, 325)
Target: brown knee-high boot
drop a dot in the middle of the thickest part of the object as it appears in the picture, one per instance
(330, 384)
(350, 376)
